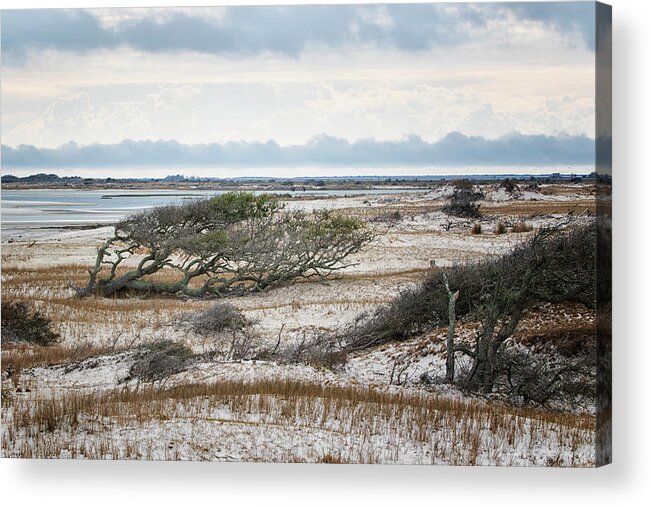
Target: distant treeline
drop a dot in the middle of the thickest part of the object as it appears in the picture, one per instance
(54, 179)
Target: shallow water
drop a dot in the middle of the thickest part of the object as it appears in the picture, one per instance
(34, 209)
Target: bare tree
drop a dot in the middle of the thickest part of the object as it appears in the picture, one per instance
(452, 318)
(233, 242)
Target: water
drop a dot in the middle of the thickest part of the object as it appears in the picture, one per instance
(32, 209)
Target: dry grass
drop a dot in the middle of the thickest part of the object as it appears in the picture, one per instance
(539, 208)
(406, 210)
(62, 274)
(558, 189)
(413, 273)
(48, 276)
(79, 320)
(331, 459)
(520, 227)
(19, 357)
(99, 320)
(337, 303)
(442, 430)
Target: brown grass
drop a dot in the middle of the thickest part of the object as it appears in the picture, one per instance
(373, 212)
(60, 275)
(20, 357)
(539, 208)
(558, 189)
(46, 288)
(331, 459)
(405, 273)
(338, 302)
(454, 431)
(520, 227)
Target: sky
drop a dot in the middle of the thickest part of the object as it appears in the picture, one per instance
(299, 90)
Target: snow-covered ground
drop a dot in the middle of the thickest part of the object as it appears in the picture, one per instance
(39, 266)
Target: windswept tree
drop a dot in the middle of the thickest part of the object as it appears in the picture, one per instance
(463, 202)
(234, 242)
(555, 265)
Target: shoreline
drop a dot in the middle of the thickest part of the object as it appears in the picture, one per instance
(32, 226)
(297, 187)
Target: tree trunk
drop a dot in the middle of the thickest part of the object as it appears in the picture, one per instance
(452, 318)
(481, 375)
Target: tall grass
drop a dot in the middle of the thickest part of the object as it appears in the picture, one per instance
(522, 227)
(355, 425)
(18, 357)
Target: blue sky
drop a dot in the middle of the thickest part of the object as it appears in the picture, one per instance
(415, 86)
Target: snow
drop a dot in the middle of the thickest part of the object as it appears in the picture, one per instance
(199, 430)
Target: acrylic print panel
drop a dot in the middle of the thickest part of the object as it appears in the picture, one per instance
(312, 233)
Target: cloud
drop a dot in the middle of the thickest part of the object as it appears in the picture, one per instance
(292, 113)
(455, 149)
(60, 29)
(574, 19)
(484, 120)
(285, 30)
(162, 113)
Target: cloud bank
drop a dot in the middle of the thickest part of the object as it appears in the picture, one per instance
(285, 30)
(455, 149)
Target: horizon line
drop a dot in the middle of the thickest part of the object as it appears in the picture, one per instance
(172, 177)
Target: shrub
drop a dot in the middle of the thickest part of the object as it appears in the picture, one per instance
(463, 202)
(332, 459)
(553, 266)
(413, 311)
(500, 228)
(218, 318)
(567, 275)
(476, 229)
(21, 323)
(527, 378)
(159, 361)
(522, 227)
(388, 217)
(323, 350)
(509, 185)
(462, 184)
(227, 326)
